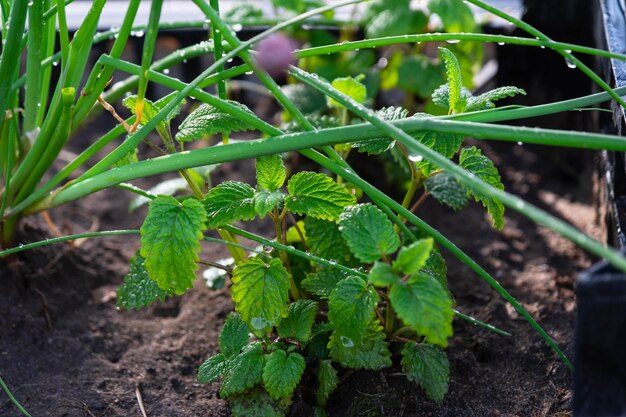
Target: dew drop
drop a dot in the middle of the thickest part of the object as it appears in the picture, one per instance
(259, 323)
(346, 341)
(267, 249)
(453, 41)
(570, 64)
(415, 158)
(166, 71)
(520, 205)
(501, 43)
(237, 27)
(520, 143)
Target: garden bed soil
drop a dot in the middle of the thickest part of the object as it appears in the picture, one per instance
(65, 350)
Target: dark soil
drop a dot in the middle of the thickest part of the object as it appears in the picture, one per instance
(65, 350)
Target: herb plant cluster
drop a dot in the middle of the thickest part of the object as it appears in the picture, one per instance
(351, 278)
(390, 296)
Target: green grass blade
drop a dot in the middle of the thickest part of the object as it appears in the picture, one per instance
(33, 65)
(12, 398)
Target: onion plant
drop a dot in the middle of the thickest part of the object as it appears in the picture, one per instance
(351, 278)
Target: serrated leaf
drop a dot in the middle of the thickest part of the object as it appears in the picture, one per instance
(441, 96)
(413, 257)
(382, 275)
(325, 240)
(368, 232)
(478, 164)
(265, 201)
(486, 100)
(212, 369)
(429, 367)
(423, 304)
(455, 81)
(170, 238)
(260, 292)
(317, 348)
(447, 144)
(322, 283)
(270, 172)
(377, 146)
(447, 190)
(234, 336)
(257, 402)
(327, 381)
(282, 373)
(371, 353)
(351, 307)
(228, 202)
(317, 195)
(138, 290)
(207, 120)
(299, 321)
(351, 87)
(436, 268)
(317, 121)
(244, 371)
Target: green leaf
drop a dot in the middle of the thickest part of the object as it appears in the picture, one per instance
(455, 15)
(308, 100)
(244, 371)
(318, 121)
(228, 202)
(436, 268)
(265, 201)
(325, 240)
(447, 144)
(382, 275)
(327, 381)
(418, 74)
(395, 21)
(486, 100)
(317, 348)
(317, 195)
(423, 304)
(170, 238)
(282, 373)
(368, 232)
(150, 109)
(212, 369)
(322, 283)
(270, 172)
(429, 367)
(129, 158)
(350, 87)
(257, 402)
(412, 258)
(455, 81)
(350, 308)
(447, 190)
(371, 353)
(207, 120)
(138, 290)
(234, 336)
(478, 164)
(299, 321)
(441, 96)
(377, 146)
(260, 292)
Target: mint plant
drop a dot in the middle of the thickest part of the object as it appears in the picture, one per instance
(350, 278)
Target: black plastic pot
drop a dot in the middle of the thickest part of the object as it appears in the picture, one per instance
(600, 375)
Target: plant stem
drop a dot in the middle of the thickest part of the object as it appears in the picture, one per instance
(12, 398)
